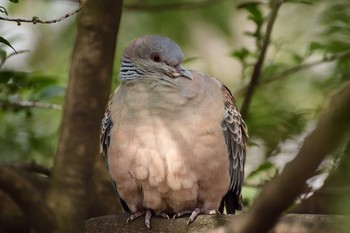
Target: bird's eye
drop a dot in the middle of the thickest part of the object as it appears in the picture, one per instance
(155, 57)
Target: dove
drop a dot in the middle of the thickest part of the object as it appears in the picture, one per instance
(173, 140)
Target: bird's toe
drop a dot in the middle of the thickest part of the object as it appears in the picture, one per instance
(198, 211)
(182, 213)
(163, 215)
(135, 215)
(148, 217)
(139, 213)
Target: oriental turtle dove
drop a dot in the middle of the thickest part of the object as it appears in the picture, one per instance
(173, 139)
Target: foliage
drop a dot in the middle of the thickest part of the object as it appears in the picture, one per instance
(27, 133)
(281, 107)
(273, 116)
(337, 37)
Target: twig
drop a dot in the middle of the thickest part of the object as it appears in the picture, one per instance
(16, 53)
(29, 104)
(259, 63)
(295, 69)
(36, 20)
(170, 6)
(2, 62)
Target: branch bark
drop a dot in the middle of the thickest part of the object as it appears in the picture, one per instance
(276, 4)
(36, 20)
(87, 93)
(291, 223)
(334, 195)
(30, 200)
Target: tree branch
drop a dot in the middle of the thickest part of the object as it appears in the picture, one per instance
(28, 199)
(2, 62)
(170, 6)
(280, 193)
(36, 20)
(285, 73)
(291, 223)
(276, 4)
(28, 104)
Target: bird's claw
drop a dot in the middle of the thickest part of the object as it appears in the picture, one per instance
(181, 213)
(148, 215)
(135, 215)
(163, 215)
(194, 214)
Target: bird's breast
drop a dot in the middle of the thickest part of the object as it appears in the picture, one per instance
(167, 148)
(168, 159)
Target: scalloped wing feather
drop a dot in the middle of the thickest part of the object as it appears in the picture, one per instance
(105, 141)
(236, 138)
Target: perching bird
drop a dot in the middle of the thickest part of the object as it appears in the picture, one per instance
(173, 139)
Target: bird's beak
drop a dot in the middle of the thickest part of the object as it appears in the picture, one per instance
(180, 71)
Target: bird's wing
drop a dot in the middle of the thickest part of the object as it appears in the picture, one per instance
(236, 137)
(107, 125)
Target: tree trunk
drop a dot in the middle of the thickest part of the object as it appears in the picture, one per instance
(87, 93)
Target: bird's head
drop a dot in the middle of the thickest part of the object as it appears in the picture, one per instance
(152, 55)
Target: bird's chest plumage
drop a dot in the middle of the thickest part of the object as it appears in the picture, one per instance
(167, 159)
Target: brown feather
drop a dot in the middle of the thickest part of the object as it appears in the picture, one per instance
(236, 137)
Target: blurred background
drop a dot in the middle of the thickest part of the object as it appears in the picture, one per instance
(308, 60)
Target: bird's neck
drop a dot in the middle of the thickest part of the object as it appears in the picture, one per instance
(152, 96)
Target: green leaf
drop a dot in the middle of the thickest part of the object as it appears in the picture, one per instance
(20, 79)
(315, 46)
(255, 13)
(50, 92)
(271, 69)
(40, 81)
(248, 4)
(14, 1)
(241, 54)
(3, 10)
(256, 34)
(263, 167)
(3, 56)
(297, 58)
(5, 76)
(4, 41)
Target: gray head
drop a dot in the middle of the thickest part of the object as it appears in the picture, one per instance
(152, 55)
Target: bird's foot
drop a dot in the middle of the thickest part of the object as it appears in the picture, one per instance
(163, 215)
(194, 214)
(148, 215)
(181, 213)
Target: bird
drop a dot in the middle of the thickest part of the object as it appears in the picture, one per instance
(173, 139)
